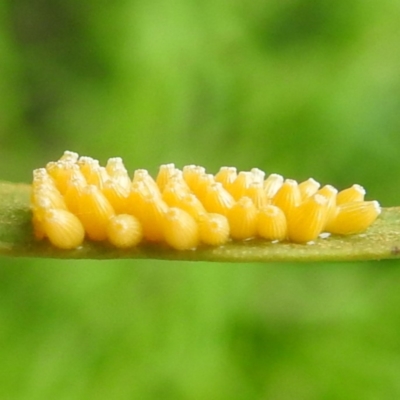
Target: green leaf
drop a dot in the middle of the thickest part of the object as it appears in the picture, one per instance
(381, 241)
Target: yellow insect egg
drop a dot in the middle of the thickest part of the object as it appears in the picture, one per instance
(180, 229)
(136, 197)
(41, 176)
(164, 173)
(257, 194)
(63, 229)
(272, 184)
(76, 174)
(213, 229)
(287, 197)
(191, 174)
(330, 193)
(271, 223)
(51, 195)
(204, 182)
(69, 156)
(118, 173)
(226, 176)
(139, 190)
(242, 218)
(116, 195)
(151, 214)
(354, 217)
(241, 184)
(115, 164)
(178, 180)
(142, 175)
(97, 176)
(217, 199)
(94, 212)
(86, 165)
(308, 219)
(173, 194)
(192, 205)
(42, 183)
(74, 193)
(39, 207)
(176, 195)
(308, 188)
(353, 193)
(61, 172)
(258, 175)
(52, 168)
(124, 231)
(188, 172)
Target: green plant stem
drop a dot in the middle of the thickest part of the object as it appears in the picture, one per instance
(381, 241)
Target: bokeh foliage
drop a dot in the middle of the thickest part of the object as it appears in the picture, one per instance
(300, 87)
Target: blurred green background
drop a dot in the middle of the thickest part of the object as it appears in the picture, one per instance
(299, 87)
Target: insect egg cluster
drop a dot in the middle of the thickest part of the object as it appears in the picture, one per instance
(76, 198)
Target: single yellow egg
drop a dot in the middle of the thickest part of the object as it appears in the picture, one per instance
(151, 214)
(330, 193)
(258, 175)
(354, 217)
(124, 231)
(94, 212)
(115, 164)
(257, 194)
(143, 176)
(74, 194)
(192, 205)
(69, 156)
(118, 173)
(173, 194)
(41, 176)
(63, 229)
(287, 197)
(271, 223)
(97, 176)
(213, 229)
(117, 195)
(241, 184)
(53, 168)
(175, 189)
(178, 180)
(226, 176)
(180, 229)
(308, 188)
(272, 184)
(307, 220)
(191, 174)
(51, 195)
(86, 165)
(136, 198)
(353, 193)
(164, 173)
(242, 218)
(204, 182)
(217, 199)
(61, 172)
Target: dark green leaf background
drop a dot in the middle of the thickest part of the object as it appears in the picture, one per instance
(301, 87)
